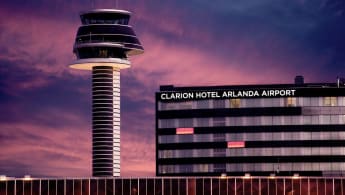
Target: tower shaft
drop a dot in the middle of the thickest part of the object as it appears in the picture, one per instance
(106, 121)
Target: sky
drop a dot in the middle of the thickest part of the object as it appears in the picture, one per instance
(45, 107)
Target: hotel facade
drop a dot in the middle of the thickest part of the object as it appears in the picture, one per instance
(258, 130)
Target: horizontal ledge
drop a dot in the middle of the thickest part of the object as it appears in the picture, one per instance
(89, 63)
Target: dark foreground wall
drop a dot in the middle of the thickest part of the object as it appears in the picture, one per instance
(175, 186)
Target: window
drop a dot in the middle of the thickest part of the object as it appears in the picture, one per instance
(203, 122)
(236, 144)
(103, 53)
(219, 152)
(324, 119)
(290, 101)
(219, 137)
(185, 138)
(185, 105)
(314, 101)
(306, 101)
(330, 101)
(166, 154)
(341, 101)
(219, 121)
(335, 119)
(186, 168)
(171, 106)
(235, 103)
(202, 104)
(220, 168)
(275, 102)
(166, 123)
(166, 169)
(184, 131)
(218, 103)
(188, 122)
(203, 168)
(307, 120)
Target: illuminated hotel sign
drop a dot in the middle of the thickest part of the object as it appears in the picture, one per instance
(222, 94)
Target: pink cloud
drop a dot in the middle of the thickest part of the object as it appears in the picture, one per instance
(39, 45)
(65, 149)
(46, 150)
(137, 155)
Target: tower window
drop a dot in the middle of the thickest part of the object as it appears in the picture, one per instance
(103, 53)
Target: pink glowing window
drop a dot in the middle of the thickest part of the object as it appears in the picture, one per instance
(182, 131)
(236, 144)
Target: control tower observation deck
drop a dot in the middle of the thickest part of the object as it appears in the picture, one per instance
(103, 44)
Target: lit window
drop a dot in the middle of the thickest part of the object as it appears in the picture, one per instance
(167, 154)
(330, 101)
(203, 168)
(290, 101)
(184, 131)
(166, 169)
(235, 103)
(236, 144)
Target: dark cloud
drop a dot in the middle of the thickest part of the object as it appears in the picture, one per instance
(45, 102)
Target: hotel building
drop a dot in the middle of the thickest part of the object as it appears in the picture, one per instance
(258, 130)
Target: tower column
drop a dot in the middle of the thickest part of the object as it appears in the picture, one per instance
(106, 121)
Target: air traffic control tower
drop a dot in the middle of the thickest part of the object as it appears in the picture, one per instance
(103, 44)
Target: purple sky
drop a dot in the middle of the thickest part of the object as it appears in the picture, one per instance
(45, 107)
